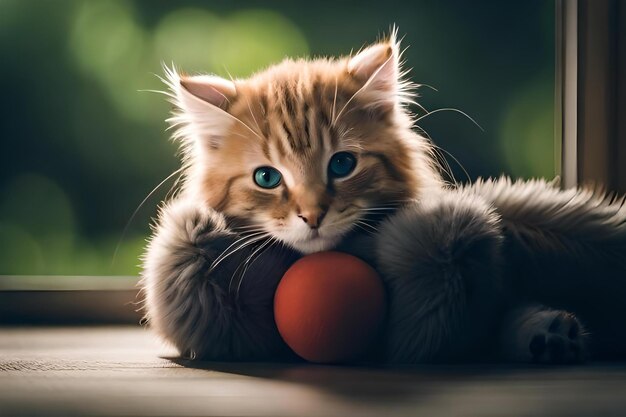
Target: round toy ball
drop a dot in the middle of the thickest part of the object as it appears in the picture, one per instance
(329, 307)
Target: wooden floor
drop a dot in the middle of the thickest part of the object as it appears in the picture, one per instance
(124, 371)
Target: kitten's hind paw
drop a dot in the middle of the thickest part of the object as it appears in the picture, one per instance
(540, 335)
(563, 341)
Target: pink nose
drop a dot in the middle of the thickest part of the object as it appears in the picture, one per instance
(313, 218)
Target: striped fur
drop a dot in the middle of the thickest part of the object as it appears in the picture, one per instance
(294, 116)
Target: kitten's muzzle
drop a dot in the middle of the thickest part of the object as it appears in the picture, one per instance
(313, 218)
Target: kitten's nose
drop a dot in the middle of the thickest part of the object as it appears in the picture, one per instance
(313, 217)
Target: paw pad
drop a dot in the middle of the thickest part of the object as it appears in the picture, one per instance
(561, 343)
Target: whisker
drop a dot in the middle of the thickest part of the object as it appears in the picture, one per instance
(364, 229)
(253, 118)
(415, 103)
(239, 134)
(442, 150)
(132, 217)
(248, 228)
(373, 76)
(165, 93)
(239, 268)
(232, 79)
(232, 277)
(245, 228)
(389, 205)
(443, 163)
(377, 208)
(243, 242)
(457, 162)
(438, 157)
(429, 86)
(344, 132)
(340, 221)
(245, 265)
(252, 258)
(452, 110)
(399, 203)
(365, 224)
(242, 238)
(171, 193)
(447, 169)
(332, 118)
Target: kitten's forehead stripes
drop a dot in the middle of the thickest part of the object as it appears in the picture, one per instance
(265, 148)
(304, 116)
(292, 121)
(298, 114)
(265, 124)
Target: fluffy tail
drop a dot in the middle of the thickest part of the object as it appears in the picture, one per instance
(566, 249)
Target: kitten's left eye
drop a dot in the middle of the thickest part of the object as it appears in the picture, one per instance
(267, 177)
(341, 164)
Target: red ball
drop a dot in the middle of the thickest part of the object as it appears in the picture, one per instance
(329, 307)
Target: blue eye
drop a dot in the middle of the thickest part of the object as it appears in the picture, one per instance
(267, 177)
(341, 164)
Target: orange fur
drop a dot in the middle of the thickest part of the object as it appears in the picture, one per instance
(294, 116)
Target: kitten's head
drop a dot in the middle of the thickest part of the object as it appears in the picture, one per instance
(306, 150)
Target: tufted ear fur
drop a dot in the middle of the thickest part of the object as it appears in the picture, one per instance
(211, 89)
(378, 69)
(202, 102)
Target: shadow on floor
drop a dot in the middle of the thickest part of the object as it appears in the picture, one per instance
(377, 383)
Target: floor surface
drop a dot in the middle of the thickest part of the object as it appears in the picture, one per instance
(124, 371)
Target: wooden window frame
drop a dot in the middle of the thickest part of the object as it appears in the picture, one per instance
(51, 299)
(590, 132)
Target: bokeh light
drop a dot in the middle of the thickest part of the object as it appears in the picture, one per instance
(84, 140)
(187, 37)
(527, 131)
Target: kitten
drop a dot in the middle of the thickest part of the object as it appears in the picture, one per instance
(314, 155)
(305, 148)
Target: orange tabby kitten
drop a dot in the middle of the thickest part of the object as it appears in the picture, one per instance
(314, 155)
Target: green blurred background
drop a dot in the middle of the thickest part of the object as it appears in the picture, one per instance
(82, 145)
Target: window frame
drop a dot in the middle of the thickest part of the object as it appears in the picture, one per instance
(590, 95)
(50, 299)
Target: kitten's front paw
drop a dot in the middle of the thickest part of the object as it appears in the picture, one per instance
(189, 299)
(545, 336)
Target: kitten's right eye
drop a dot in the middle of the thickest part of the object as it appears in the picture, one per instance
(341, 164)
(267, 177)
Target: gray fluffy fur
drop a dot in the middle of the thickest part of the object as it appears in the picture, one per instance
(468, 274)
(195, 307)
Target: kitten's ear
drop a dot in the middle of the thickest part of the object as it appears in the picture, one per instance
(202, 103)
(211, 89)
(378, 69)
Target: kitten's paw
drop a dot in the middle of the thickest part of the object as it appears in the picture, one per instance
(186, 230)
(440, 261)
(192, 298)
(562, 342)
(545, 336)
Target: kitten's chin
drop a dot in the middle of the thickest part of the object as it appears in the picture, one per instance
(314, 244)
